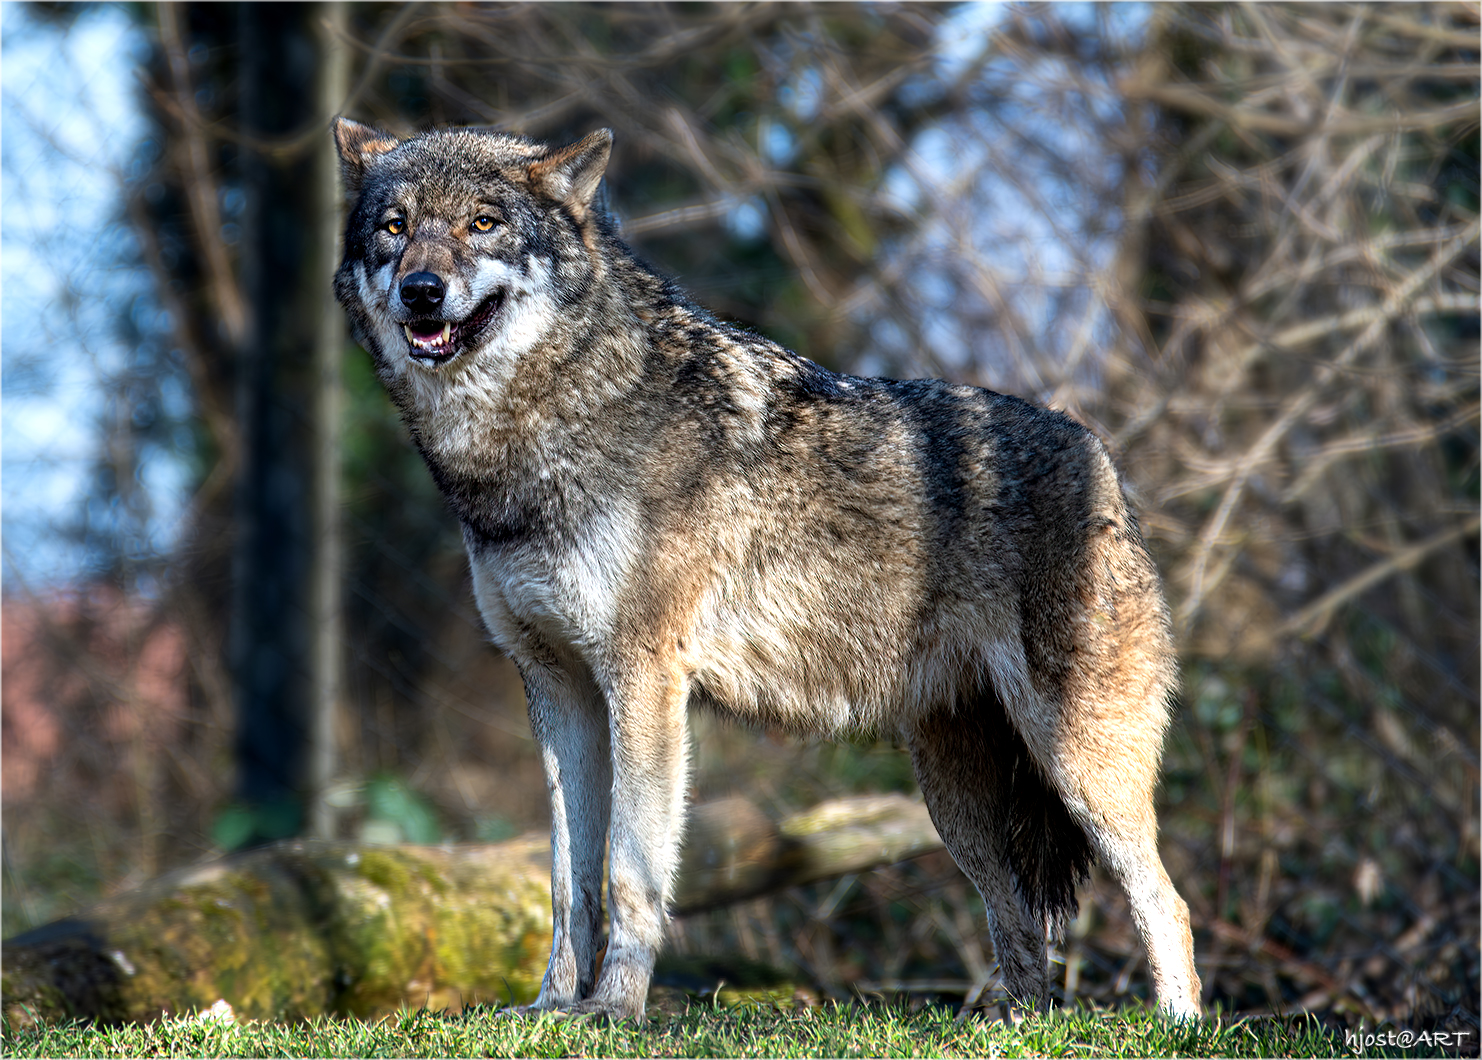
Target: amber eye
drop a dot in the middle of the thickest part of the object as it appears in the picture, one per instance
(395, 226)
(484, 223)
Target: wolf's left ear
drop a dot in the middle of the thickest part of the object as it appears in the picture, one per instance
(359, 145)
(570, 175)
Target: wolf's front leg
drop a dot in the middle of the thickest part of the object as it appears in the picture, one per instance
(649, 768)
(569, 719)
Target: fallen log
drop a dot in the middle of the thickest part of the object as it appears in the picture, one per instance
(303, 928)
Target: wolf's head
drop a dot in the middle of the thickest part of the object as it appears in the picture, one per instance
(460, 242)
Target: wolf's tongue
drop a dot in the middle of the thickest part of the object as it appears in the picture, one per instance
(427, 332)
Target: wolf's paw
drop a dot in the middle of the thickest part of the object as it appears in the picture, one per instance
(514, 1012)
(605, 1011)
(599, 1012)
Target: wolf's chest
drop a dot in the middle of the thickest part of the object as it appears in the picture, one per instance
(560, 592)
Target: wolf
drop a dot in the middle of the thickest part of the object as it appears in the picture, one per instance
(663, 510)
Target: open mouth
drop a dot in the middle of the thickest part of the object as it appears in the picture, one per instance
(434, 342)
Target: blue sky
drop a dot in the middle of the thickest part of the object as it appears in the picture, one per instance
(70, 127)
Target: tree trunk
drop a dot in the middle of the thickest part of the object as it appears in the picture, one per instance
(304, 927)
(326, 591)
(286, 277)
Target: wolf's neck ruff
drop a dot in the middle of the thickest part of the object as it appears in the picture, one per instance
(663, 510)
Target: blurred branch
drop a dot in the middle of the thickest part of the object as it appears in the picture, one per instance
(379, 54)
(1214, 473)
(1190, 99)
(1316, 464)
(1394, 305)
(200, 183)
(1314, 617)
(680, 217)
(219, 421)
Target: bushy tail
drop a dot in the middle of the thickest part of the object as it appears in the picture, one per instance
(1047, 850)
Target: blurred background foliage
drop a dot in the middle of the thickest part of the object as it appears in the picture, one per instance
(1239, 241)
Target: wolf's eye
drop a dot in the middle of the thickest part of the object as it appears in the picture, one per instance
(395, 226)
(484, 223)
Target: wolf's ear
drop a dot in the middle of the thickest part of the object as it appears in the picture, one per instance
(359, 145)
(570, 175)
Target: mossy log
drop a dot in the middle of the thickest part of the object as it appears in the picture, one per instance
(303, 928)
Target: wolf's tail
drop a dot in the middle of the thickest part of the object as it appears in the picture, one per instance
(994, 805)
(1046, 849)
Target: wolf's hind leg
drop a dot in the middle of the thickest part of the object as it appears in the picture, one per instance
(1116, 781)
(965, 763)
(569, 720)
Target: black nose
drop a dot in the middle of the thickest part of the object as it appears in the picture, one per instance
(422, 292)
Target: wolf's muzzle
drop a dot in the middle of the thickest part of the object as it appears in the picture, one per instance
(432, 338)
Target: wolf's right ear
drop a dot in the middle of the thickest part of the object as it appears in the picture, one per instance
(570, 175)
(359, 145)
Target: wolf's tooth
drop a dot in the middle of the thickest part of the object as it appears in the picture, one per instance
(408, 329)
(447, 333)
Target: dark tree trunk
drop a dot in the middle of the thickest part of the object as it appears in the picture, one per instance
(284, 290)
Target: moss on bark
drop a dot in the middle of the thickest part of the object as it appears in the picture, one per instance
(296, 930)
(304, 928)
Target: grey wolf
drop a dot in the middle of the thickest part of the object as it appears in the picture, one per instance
(664, 510)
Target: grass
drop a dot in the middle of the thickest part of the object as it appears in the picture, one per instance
(696, 1029)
